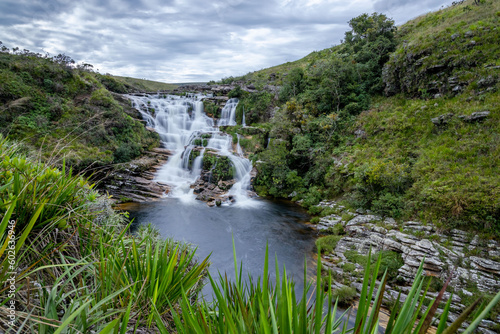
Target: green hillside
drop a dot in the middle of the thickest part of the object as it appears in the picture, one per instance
(68, 111)
(355, 121)
(143, 85)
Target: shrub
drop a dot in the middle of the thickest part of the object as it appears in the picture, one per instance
(345, 295)
(337, 229)
(327, 244)
(126, 152)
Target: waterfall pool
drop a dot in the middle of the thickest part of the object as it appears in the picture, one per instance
(279, 224)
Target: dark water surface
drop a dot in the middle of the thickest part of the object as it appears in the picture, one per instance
(279, 224)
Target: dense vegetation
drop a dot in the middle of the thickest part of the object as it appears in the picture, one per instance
(333, 132)
(68, 111)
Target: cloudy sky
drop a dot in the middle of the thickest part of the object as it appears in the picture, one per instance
(188, 40)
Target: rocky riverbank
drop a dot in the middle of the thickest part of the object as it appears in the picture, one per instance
(134, 181)
(472, 262)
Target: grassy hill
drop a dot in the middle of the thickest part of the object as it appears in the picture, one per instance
(67, 111)
(142, 85)
(356, 121)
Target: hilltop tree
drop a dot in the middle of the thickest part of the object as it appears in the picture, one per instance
(370, 41)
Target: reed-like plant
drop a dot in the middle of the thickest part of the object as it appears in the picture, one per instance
(156, 274)
(261, 308)
(258, 307)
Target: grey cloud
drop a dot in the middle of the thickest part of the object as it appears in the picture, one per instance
(384, 5)
(182, 40)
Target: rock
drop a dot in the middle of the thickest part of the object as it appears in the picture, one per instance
(455, 36)
(364, 234)
(485, 265)
(477, 116)
(468, 34)
(457, 89)
(360, 133)
(442, 119)
(328, 221)
(363, 219)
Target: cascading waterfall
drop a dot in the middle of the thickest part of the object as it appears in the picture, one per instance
(228, 113)
(184, 128)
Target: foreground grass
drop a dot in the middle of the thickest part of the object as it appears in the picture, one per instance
(76, 266)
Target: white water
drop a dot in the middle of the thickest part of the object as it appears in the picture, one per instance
(181, 122)
(228, 113)
(243, 118)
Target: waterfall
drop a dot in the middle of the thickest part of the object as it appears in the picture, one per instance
(239, 151)
(184, 129)
(228, 114)
(243, 118)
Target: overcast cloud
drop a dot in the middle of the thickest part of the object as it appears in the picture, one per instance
(188, 40)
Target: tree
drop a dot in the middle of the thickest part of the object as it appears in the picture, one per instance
(63, 59)
(368, 28)
(370, 41)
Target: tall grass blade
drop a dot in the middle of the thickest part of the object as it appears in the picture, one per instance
(462, 317)
(432, 311)
(483, 314)
(444, 316)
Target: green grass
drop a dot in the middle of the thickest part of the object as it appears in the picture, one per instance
(447, 175)
(90, 271)
(143, 85)
(328, 243)
(69, 112)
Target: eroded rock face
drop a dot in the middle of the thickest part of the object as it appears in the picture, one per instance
(134, 181)
(442, 254)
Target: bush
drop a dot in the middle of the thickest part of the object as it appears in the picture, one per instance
(337, 229)
(346, 295)
(389, 205)
(327, 244)
(126, 152)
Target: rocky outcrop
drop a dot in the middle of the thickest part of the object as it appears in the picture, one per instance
(444, 119)
(475, 116)
(216, 179)
(463, 255)
(134, 181)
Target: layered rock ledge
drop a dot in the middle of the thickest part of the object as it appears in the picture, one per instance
(472, 262)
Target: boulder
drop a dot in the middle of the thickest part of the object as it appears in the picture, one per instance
(442, 119)
(477, 116)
